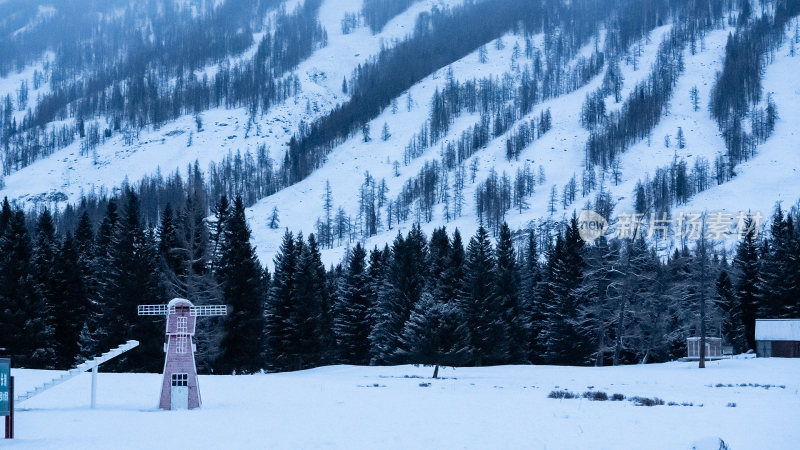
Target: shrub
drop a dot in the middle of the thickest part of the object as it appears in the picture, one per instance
(596, 396)
(617, 397)
(561, 394)
(645, 401)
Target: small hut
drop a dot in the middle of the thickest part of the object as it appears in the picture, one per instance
(778, 338)
(713, 348)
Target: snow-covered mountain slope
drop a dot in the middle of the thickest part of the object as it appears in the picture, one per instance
(769, 177)
(224, 130)
(400, 407)
(773, 175)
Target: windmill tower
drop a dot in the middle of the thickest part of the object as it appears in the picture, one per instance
(179, 388)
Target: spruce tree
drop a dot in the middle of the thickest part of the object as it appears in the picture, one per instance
(489, 337)
(506, 290)
(403, 284)
(279, 302)
(85, 250)
(564, 343)
(430, 334)
(307, 326)
(596, 316)
(746, 264)
(25, 320)
(732, 327)
(5, 215)
(44, 250)
(435, 332)
(351, 321)
(95, 338)
(778, 278)
(240, 276)
(532, 300)
(171, 254)
(130, 279)
(70, 304)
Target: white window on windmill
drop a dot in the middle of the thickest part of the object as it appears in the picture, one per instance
(183, 325)
(181, 346)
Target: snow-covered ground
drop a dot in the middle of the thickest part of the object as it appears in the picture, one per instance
(394, 407)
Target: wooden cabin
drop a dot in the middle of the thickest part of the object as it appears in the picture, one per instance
(778, 338)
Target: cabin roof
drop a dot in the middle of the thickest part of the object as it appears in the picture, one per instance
(778, 329)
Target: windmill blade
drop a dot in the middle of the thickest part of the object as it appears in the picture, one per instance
(209, 310)
(153, 310)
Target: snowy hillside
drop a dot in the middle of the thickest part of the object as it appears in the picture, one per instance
(769, 178)
(560, 154)
(400, 407)
(224, 130)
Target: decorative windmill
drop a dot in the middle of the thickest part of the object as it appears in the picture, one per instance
(179, 388)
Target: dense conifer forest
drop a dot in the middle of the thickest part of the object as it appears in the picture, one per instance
(538, 296)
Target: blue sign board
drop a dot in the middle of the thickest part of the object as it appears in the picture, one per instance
(5, 383)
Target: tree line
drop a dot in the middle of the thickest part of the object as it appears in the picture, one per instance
(541, 295)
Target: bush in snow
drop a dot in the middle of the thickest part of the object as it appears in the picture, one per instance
(596, 396)
(645, 401)
(561, 394)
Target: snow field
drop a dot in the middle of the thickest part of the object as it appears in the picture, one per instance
(353, 407)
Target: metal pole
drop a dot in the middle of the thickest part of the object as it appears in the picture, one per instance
(94, 387)
(10, 417)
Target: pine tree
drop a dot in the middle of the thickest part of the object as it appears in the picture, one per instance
(279, 302)
(385, 134)
(532, 299)
(172, 253)
(597, 314)
(351, 322)
(240, 276)
(85, 250)
(565, 272)
(5, 215)
(70, 304)
(680, 138)
(489, 337)
(695, 96)
(777, 278)
(403, 284)
(732, 327)
(274, 220)
(25, 320)
(44, 250)
(130, 279)
(95, 339)
(307, 326)
(430, 334)
(746, 264)
(434, 332)
(217, 229)
(506, 290)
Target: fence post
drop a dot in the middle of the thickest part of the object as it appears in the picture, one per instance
(94, 387)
